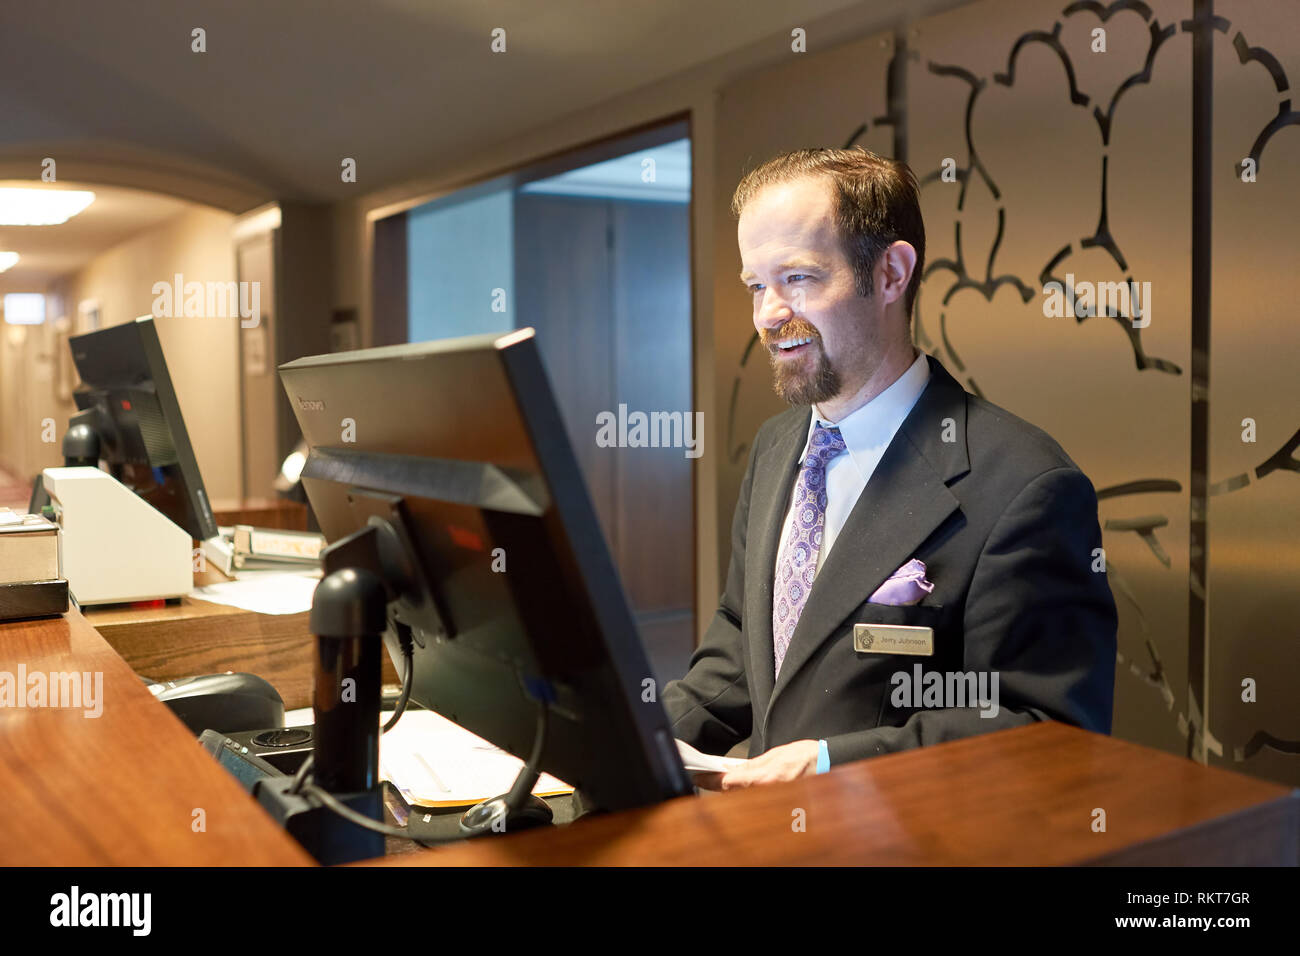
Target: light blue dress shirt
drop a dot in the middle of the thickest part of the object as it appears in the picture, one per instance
(867, 432)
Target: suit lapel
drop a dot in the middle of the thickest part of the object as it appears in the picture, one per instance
(774, 477)
(905, 500)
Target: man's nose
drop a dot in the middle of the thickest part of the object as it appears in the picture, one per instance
(773, 310)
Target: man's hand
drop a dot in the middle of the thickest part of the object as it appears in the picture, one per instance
(787, 762)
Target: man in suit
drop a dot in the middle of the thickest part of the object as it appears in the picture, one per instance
(883, 461)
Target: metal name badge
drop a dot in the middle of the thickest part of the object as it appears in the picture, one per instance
(893, 639)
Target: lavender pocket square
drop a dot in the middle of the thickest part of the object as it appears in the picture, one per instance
(905, 586)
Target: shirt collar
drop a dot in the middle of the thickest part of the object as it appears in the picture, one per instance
(867, 431)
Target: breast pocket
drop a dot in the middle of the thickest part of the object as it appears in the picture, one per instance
(915, 615)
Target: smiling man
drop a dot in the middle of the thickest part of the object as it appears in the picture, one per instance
(889, 524)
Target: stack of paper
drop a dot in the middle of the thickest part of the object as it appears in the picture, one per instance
(435, 763)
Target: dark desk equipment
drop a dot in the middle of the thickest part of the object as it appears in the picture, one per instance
(226, 702)
(461, 529)
(253, 756)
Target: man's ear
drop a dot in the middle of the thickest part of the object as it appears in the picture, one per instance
(896, 265)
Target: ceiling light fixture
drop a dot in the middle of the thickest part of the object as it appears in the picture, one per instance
(41, 207)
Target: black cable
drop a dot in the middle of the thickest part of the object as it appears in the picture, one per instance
(352, 816)
(539, 739)
(530, 772)
(408, 654)
(301, 776)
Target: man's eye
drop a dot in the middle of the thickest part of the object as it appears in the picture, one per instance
(797, 275)
(755, 287)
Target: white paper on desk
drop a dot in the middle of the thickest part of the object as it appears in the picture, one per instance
(266, 592)
(697, 762)
(435, 763)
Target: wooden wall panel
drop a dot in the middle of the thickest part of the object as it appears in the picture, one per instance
(1253, 505)
(1053, 182)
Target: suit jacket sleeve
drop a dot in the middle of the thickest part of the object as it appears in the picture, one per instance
(709, 708)
(1037, 615)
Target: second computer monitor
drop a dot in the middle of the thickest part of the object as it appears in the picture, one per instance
(127, 399)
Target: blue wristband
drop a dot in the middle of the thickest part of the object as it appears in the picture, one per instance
(823, 757)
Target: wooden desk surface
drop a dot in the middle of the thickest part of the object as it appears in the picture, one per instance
(198, 637)
(1021, 797)
(120, 788)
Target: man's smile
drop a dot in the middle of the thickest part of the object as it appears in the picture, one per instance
(793, 344)
(791, 347)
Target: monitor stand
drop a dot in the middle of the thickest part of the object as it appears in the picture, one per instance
(348, 617)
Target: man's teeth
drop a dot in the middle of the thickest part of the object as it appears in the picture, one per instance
(793, 343)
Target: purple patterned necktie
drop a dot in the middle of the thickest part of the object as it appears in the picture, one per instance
(798, 567)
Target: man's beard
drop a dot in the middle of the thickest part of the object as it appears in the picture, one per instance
(791, 380)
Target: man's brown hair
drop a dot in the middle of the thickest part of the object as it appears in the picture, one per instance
(876, 203)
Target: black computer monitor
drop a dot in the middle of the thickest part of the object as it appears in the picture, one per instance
(126, 398)
(456, 449)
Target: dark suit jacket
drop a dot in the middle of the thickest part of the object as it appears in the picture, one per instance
(1006, 525)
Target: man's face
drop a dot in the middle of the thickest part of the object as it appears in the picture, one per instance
(823, 339)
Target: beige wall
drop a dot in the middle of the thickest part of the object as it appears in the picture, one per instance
(201, 353)
(32, 414)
